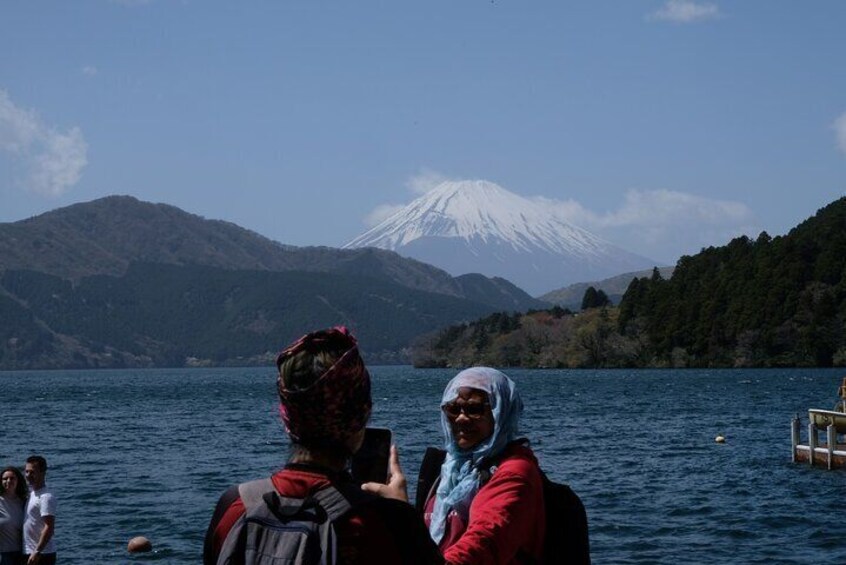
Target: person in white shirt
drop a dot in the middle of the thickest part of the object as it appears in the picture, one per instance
(40, 518)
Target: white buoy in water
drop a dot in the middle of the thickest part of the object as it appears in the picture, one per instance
(139, 544)
(720, 439)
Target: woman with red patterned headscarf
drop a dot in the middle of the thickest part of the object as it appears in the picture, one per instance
(325, 403)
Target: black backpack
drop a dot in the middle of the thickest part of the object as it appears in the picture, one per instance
(566, 520)
(566, 540)
(277, 529)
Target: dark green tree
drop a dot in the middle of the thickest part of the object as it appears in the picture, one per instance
(595, 299)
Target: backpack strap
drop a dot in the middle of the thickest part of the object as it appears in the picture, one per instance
(487, 466)
(336, 505)
(333, 502)
(430, 471)
(252, 493)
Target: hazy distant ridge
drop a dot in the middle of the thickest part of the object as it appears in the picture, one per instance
(614, 287)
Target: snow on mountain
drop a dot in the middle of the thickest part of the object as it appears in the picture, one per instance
(478, 226)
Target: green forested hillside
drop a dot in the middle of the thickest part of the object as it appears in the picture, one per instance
(166, 315)
(766, 302)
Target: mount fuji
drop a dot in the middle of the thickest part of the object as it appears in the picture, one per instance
(478, 226)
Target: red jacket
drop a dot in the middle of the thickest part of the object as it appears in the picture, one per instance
(507, 521)
(379, 532)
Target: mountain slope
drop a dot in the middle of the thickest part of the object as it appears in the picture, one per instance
(106, 235)
(477, 226)
(614, 287)
(168, 315)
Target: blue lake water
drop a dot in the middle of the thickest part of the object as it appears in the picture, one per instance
(148, 452)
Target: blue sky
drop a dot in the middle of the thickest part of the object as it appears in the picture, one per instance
(661, 126)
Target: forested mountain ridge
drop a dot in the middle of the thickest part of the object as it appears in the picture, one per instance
(766, 302)
(119, 282)
(168, 315)
(104, 236)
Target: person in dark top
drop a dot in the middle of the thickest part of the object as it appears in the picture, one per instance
(13, 497)
(325, 403)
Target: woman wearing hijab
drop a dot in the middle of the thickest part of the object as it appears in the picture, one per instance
(325, 403)
(13, 495)
(487, 506)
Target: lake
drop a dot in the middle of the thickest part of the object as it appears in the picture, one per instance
(148, 452)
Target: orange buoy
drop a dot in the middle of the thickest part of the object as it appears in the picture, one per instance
(139, 544)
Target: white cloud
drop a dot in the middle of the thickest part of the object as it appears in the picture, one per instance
(89, 70)
(18, 128)
(662, 224)
(50, 161)
(570, 211)
(840, 131)
(418, 184)
(685, 11)
(381, 213)
(60, 164)
(425, 181)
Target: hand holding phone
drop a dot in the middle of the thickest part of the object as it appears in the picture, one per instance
(396, 487)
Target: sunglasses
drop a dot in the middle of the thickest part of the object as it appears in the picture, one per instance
(474, 410)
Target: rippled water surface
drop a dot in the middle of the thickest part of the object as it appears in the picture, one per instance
(148, 453)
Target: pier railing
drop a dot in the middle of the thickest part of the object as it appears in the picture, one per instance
(832, 453)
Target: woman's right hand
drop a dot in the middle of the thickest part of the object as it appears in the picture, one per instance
(396, 486)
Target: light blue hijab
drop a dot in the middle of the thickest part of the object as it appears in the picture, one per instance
(459, 475)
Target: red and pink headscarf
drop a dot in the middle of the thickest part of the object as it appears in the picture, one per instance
(337, 405)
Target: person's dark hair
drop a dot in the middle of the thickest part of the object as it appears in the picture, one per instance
(300, 370)
(20, 489)
(39, 461)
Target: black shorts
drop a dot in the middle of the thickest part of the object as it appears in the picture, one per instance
(46, 559)
(11, 558)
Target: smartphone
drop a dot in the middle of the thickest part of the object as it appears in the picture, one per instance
(370, 463)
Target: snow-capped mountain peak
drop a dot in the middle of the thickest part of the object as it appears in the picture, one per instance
(478, 226)
(477, 209)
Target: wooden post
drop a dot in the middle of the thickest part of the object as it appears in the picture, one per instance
(794, 437)
(812, 442)
(831, 431)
